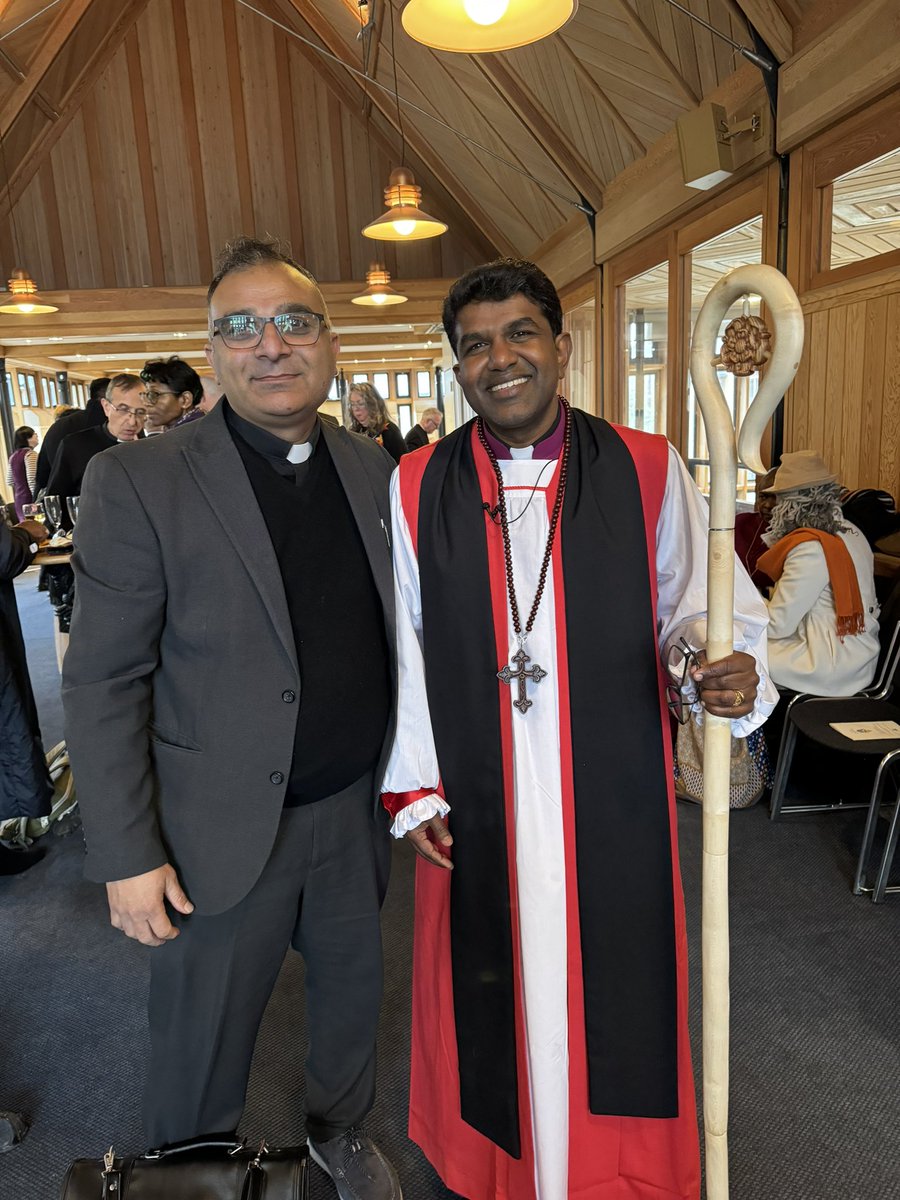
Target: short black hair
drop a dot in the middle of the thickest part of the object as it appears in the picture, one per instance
(500, 280)
(246, 252)
(174, 373)
(98, 388)
(22, 436)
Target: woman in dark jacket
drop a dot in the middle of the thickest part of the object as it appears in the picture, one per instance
(369, 416)
(25, 787)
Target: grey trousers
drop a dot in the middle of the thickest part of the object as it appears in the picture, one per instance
(321, 893)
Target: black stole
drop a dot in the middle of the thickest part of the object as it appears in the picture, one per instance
(626, 900)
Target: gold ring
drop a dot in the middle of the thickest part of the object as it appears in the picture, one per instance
(738, 698)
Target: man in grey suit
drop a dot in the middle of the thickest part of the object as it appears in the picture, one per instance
(234, 606)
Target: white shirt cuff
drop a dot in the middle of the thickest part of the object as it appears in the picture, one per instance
(417, 812)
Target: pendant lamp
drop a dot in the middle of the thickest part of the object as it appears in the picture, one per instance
(379, 292)
(404, 221)
(24, 297)
(484, 26)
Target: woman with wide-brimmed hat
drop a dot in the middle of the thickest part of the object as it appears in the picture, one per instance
(823, 613)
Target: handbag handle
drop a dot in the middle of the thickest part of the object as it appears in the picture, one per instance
(229, 1145)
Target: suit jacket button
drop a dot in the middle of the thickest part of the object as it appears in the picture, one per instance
(289, 697)
(276, 777)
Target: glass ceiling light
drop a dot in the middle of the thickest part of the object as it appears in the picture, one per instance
(484, 26)
(404, 221)
(24, 297)
(379, 292)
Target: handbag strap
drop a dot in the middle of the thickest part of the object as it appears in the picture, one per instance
(112, 1177)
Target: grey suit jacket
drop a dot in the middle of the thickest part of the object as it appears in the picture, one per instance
(181, 647)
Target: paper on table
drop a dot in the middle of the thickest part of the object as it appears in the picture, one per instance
(867, 731)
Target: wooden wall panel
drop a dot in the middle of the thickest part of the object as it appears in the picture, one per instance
(263, 120)
(120, 176)
(314, 168)
(215, 127)
(31, 223)
(168, 146)
(75, 199)
(845, 401)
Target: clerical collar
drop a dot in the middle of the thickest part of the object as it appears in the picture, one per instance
(548, 446)
(269, 444)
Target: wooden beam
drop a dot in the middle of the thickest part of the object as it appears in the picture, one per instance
(62, 30)
(771, 24)
(855, 62)
(314, 21)
(21, 173)
(577, 66)
(567, 159)
(659, 56)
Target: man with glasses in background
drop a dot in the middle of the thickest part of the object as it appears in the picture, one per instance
(173, 394)
(237, 574)
(125, 415)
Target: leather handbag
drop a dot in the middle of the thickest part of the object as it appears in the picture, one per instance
(194, 1170)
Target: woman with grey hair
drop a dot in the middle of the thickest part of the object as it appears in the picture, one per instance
(369, 415)
(823, 614)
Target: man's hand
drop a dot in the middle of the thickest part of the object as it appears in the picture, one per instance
(427, 847)
(728, 687)
(34, 529)
(137, 905)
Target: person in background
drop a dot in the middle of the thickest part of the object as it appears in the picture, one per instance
(63, 410)
(125, 417)
(369, 415)
(429, 421)
(71, 422)
(173, 394)
(212, 393)
(823, 612)
(21, 473)
(25, 787)
(749, 528)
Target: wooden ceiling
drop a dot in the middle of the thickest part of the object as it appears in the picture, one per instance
(140, 135)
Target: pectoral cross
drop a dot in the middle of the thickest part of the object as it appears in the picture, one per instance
(535, 674)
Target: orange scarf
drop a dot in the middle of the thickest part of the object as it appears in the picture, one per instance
(841, 574)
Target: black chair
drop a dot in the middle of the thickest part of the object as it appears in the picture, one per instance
(813, 717)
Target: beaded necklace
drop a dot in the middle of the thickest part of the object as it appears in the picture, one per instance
(520, 658)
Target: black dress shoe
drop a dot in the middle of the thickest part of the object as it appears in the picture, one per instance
(14, 860)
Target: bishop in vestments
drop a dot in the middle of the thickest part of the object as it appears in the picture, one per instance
(549, 565)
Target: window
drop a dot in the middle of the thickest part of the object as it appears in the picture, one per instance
(45, 391)
(51, 388)
(359, 378)
(31, 385)
(401, 381)
(865, 211)
(405, 418)
(423, 384)
(9, 390)
(381, 381)
(646, 336)
(580, 322)
(708, 263)
(334, 392)
(849, 197)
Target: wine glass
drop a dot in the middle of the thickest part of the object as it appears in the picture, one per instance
(72, 506)
(53, 509)
(34, 512)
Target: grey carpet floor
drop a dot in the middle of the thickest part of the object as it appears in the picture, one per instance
(815, 1066)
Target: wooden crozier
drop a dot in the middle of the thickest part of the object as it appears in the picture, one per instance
(786, 317)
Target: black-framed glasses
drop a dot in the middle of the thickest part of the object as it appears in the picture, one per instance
(242, 331)
(152, 398)
(675, 701)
